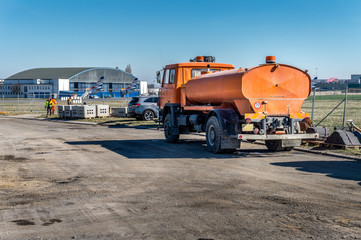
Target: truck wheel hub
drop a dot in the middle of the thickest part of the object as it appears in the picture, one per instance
(212, 135)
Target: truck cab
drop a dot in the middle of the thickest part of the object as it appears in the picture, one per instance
(174, 76)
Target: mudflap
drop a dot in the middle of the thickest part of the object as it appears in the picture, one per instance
(229, 122)
(230, 143)
(291, 142)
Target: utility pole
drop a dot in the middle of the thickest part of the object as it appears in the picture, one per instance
(344, 108)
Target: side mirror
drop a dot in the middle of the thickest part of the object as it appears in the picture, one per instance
(158, 77)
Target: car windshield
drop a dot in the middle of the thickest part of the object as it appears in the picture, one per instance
(151, 100)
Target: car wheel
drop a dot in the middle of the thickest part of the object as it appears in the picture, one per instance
(148, 115)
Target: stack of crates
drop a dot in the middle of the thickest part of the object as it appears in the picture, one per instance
(67, 111)
(86, 111)
(102, 110)
(61, 111)
(119, 112)
(74, 111)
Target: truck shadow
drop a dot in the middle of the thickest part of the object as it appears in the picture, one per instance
(345, 170)
(132, 123)
(159, 149)
(126, 125)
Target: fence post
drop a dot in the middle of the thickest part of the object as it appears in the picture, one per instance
(344, 108)
(313, 103)
(18, 103)
(3, 103)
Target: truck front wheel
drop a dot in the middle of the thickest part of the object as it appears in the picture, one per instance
(213, 135)
(169, 137)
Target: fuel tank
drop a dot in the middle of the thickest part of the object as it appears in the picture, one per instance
(270, 88)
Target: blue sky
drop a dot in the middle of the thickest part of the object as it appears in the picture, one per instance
(150, 34)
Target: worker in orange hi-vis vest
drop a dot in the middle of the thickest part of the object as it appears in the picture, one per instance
(54, 102)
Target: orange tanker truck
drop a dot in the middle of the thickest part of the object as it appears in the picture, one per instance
(234, 105)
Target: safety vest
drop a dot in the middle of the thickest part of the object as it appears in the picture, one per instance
(53, 102)
(48, 103)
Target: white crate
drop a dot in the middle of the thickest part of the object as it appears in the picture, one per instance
(102, 110)
(67, 111)
(86, 111)
(74, 111)
(119, 112)
(61, 111)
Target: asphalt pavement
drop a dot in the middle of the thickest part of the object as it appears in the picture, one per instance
(75, 181)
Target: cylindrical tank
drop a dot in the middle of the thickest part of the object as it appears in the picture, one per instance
(271, 88)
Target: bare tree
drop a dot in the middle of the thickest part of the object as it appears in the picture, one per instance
(128, 69)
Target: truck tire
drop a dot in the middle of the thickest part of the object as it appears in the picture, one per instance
(288, 148)
(213, 135)
(169, 137)
(148, 115)
(274, 145)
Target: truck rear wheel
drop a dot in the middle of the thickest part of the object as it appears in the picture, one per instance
(213, 135)
(274, 145)
(169, 137)
(288, 148)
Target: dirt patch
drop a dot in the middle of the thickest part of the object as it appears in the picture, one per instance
(21, 183)
(23, 222)
(42, 152)
(279, 200)
(27, 149)
(52, 221)
(12, 158)
(20, 203)
(68, 180)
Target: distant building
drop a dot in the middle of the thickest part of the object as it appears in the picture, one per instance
(44, 82)
(356, 78)
(153, 89)
(143, 86)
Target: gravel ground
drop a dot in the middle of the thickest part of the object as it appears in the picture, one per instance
(70, 181)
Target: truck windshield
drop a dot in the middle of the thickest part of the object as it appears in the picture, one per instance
(198, 72)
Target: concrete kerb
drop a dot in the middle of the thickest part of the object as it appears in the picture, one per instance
(51, 120)
(331, 154)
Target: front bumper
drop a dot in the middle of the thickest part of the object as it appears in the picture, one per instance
(278, 136)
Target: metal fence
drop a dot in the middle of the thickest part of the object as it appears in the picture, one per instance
(321, 103)
(333, 108)
(37, 105)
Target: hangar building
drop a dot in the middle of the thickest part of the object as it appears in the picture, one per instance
(43, 82)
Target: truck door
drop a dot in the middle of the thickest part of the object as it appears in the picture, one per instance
(172, 88)
(164, 89)
(168, 90)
